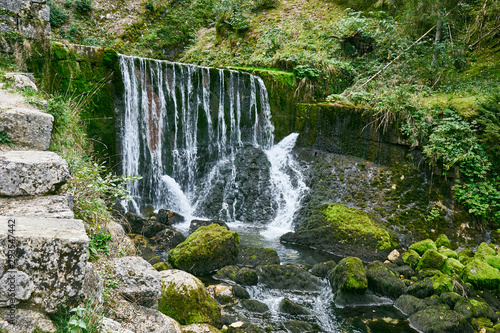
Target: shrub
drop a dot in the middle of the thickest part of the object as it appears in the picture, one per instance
(58, 16)
(83, 6)
(264, 4)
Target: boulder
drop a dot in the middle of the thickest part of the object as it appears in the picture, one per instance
(135, 222)
(168, 217)
(485, 250)
(287, 306)
(168, 239)
(348, 299)
(450, 298)
(184, 298)
(493, 261)
(27, 128)
(241, 327)
(196, 224)
(448, 253)
(253, 257)
(206, 250)
(431, 259)
(199, 328)
(253, 305)
(151, 228)
(31, 173)
(422, 246)
(288, 277)
(443, 241)
(120, 244)
(22, 81)
(139, 281)
(51, 206)
(421, 289)
(93, 285)
(111, 326)
(27, 321)
(436, 319)
(222, 293)
(481, 275)
(297, 326)
(141, 319)
(393, 256)
(472, 308)
(240, 292)
(53, 254)
(246, 276)
(349, 276)
(409, 304)
(323, 268)
(465, 255)
(383, 281)
(411, 258)
(452, 266)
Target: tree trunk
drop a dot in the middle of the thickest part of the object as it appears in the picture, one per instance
(439, 28)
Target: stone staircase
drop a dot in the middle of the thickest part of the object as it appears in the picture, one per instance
(43, 249)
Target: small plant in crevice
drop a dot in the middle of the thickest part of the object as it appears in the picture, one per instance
(99, 244)
(5, 139)
(84, 318)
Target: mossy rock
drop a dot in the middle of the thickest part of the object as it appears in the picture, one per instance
(483, 324)
(493, 261)
(452, 266)
(450, 298)
(465, 256)
(254, 306)
(422, 288)
(383, 281)
(349, 276)
(431, 259)
(199, 328)
(185, 299)
(161, 266)
(442, 283)
(246, 276)
(288, 277)
(323, 268)
(481, 275)
(443, 241)
(472, 308)
(253, 257)
(287, 306)
(227, 273)
(448, 253)
(485, 250)
(436, 319)
(409, 304)
(353, 221)
(296, 326)
(206, 250)
(422, 246)
(411, 258)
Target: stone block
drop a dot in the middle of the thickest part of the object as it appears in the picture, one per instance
(50, 256)
(31, 173)
(53, 206)
(27, 128)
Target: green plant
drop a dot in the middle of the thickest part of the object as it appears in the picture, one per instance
(264, 4)
(58, 16)
(99, 244)
(304, 71)
(233, 14)
(84, 318)
(5, 139)
(83, 6)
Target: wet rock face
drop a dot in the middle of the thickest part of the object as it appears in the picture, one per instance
(31, 173)
(288, 277)
(51, 259)
(395, 195)
(248, 194)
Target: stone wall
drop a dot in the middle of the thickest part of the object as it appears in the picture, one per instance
(27, 18)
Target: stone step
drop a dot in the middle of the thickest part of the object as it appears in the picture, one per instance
(27, 128)
(27, 173)
(46, 267)
(52, 206)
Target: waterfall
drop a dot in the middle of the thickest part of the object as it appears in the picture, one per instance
(202, 140)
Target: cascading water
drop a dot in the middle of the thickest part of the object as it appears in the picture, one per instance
(202, 140)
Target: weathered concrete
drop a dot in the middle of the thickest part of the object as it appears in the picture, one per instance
(51, 253)
(28, 128)
(31, 173)
(54, 206)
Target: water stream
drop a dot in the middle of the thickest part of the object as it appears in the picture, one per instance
(202, 140)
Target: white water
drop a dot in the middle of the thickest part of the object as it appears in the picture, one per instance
(183, 128)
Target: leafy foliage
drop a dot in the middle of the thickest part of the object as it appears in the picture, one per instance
(99, 244)
(83, 6)
(58, 16)
(5, 139)
(84, 318)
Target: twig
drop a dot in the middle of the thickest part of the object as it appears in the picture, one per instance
(480, 39)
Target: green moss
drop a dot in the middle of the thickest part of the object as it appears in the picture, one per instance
(452, 266)
(442, 283)
(448, 253)
(493, 261)
(349, 276)
(411, 258)
(351, 220)
(422, 246)
(431, 259)
(194, 306)
(443, 240)
(485, 250)
(465, 255)
(161, 266)
(206, 250)
(481, 275)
